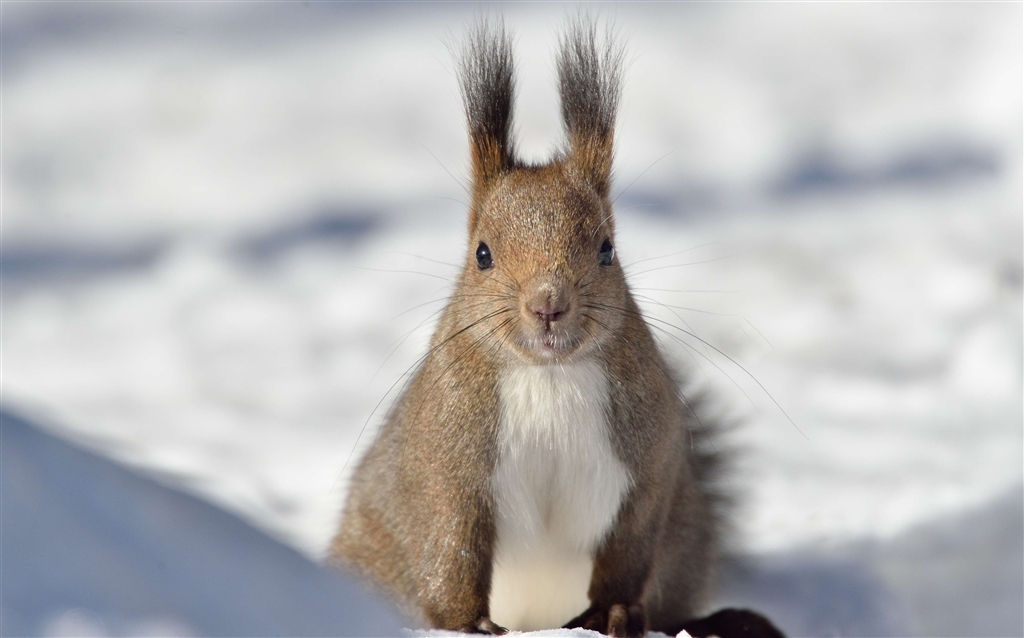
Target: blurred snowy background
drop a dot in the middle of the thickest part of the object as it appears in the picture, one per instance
(222, 227)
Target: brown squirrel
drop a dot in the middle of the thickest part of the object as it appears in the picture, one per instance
(539, 470)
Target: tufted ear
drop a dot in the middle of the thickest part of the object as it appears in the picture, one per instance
(486, 78)
(589, 82)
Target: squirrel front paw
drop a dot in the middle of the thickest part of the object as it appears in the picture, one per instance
(620, 621)
(484, 625)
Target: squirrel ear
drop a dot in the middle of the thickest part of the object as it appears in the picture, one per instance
(589, 82)
(487, 82)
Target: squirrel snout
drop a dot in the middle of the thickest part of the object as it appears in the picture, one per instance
(547, 313)
(548, 303)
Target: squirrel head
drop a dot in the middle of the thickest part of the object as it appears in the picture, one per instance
(540, 263)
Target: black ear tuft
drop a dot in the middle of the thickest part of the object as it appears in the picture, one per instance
(589, 81)
(487, 81)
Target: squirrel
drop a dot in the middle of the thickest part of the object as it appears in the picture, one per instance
(539, 470)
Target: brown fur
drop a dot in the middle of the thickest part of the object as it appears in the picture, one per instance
(419, 520)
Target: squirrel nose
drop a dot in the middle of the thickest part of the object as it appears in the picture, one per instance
(548, 311)
(547, 299)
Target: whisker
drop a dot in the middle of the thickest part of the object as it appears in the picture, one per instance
(706, 355)
(419, 305)
(449, 298)
(406, 375)
(603, 222)
(443, 263)
(389, 352)
(450, 174)
(707, 358)
(691, 263)
(707, 435)
(513, 286)
(397, 343)
(452, 199)
(759, 332)
(697, 310)
(682, 291)
(692, 358)
(745, 333)
(632, 206)
(749, 374)
(406, 272)
(719, 351)
(458, 358)
(640, 261)
(682, 395)
(641, 175)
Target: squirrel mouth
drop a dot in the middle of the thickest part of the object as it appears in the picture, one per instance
(549, 344)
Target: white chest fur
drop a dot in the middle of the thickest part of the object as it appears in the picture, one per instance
(557, 487)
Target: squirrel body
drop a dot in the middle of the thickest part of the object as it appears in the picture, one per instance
(539, 470)
(557, 487)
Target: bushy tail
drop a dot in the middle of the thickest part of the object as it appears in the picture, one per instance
(713, 459)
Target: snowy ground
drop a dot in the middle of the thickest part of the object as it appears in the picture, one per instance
(90, 549)
(221, 220)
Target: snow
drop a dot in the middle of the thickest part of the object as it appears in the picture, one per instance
(92, 549)
(226, 228)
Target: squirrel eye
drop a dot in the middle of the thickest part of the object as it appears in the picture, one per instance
(607, 254)
(483, 256)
